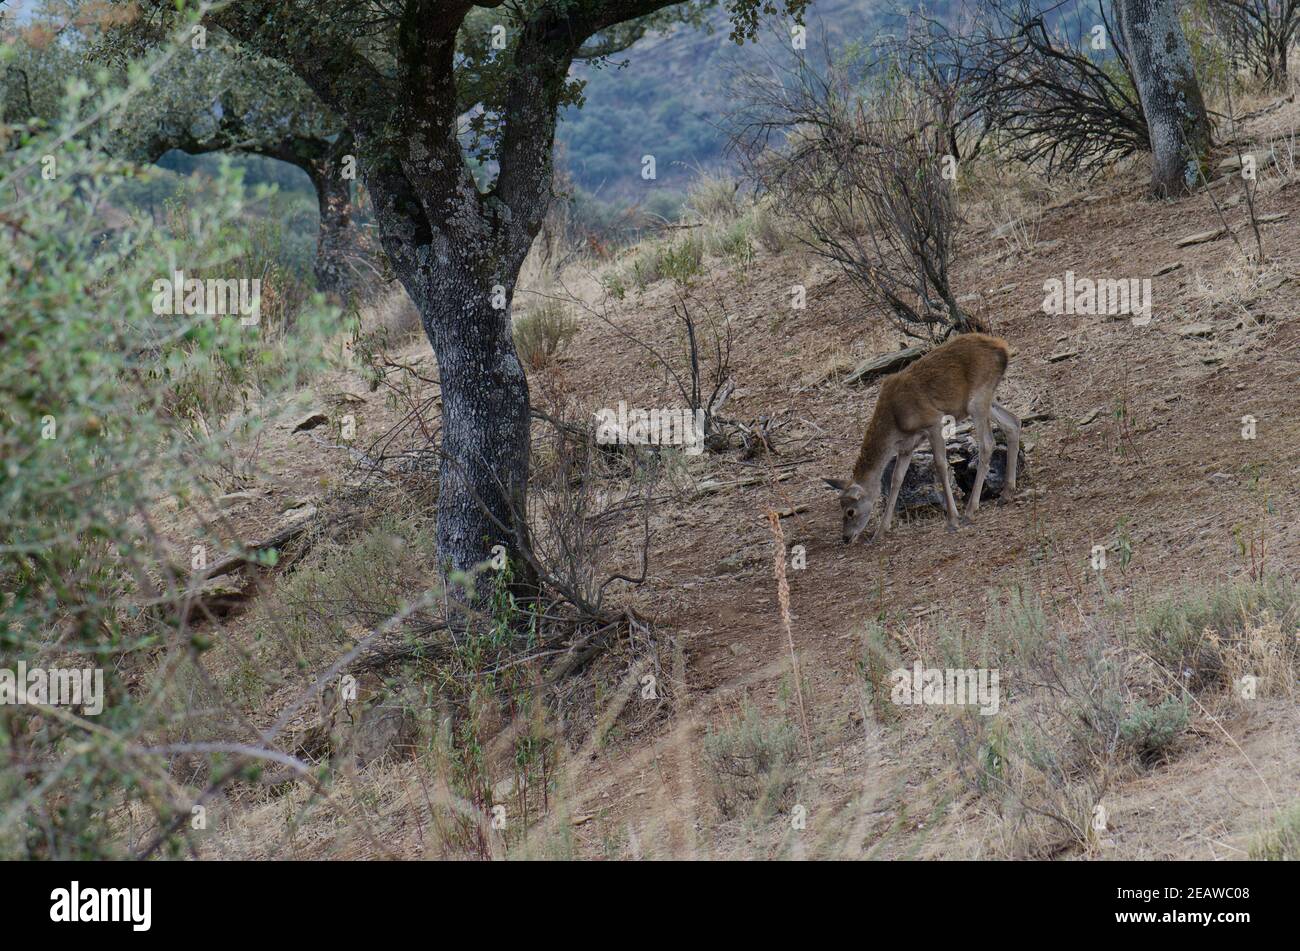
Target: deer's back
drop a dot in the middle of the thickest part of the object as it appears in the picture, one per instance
(941, 382)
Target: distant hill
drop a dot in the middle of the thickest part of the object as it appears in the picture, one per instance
(670, 99)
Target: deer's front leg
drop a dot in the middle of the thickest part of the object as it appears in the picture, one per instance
(901, 463)
(939, 446)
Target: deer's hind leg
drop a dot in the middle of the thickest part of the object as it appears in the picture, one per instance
(980, 417)
(1009, 423)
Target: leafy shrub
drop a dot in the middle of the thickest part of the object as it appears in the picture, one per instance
(1150, 731)
(90, 452)
(680, 262)
(751, 761)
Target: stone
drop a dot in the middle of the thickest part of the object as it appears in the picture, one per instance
(1201, 237)
(1233, 163)
(231, 499)
(299, 510)
(732, 563)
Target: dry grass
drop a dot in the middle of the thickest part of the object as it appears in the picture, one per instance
(542, 333)
(1281, 843)
(391, 313)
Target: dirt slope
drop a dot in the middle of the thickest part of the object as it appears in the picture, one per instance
(1163, 463)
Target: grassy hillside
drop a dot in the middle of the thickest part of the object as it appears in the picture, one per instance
(1120, 688)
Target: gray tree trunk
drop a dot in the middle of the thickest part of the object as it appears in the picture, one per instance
(486, 420)
(334, 238)
(1170, 95)
(459, 268)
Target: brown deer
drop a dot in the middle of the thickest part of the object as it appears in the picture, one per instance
(957, 379)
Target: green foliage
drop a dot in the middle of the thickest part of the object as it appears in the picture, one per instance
(752, 760)
(1150, 731)
(90, 452)
(681, 262)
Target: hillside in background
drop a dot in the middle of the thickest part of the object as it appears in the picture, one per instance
(670, 98)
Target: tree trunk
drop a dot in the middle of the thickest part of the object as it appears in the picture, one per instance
(334, 237)
(458, 253)
(459, 268)
(1170, 95)
(485, 412)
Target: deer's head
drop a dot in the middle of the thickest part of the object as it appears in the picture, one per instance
(856, 504)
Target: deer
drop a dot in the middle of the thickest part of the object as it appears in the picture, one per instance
(956, 379)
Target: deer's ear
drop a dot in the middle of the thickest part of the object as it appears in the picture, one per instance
(837, 484)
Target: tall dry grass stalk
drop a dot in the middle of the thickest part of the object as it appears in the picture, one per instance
(783, 599)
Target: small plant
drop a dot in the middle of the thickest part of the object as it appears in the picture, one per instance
(1123, 544)
(877, 662)
(752, 762)
(542, 333)
(1151, 731)
(1206, 640)
(735, 245)
(680, 262)
(614, 285)
(1282, 842)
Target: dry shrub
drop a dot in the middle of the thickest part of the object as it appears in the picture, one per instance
(1081, 723)
(714, 197)
(542, 333)
(868, 175)
(391, 313)
(1214, 639)
(771, 234)
(1029, 85)
(344, 587)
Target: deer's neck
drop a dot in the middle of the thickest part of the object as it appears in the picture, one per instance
(875, 448)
